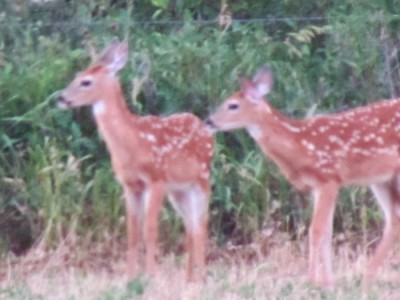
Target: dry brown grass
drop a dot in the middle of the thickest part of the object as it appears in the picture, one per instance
(97, 272)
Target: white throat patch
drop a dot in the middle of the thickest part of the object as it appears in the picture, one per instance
(99, 108)
(255, 131)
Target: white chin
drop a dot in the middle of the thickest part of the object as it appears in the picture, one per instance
(211, 130)
(62, 105)
(229, 127)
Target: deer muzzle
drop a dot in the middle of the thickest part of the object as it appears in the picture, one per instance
(63, 102)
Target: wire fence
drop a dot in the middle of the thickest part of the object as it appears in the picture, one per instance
(268, 20)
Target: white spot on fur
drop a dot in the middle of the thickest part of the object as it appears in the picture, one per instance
(374, 121)
(322, 129)
(151, 138)
(308, 145)
(334, 139)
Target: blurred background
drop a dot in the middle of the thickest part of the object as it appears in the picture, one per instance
(55, 176)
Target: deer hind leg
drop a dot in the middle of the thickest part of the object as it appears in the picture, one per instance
(192, 206)
(320, 234)
(153, 200)
(388, 197)
(133, 195)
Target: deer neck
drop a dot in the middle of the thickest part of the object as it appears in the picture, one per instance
(271, 127)
(114, 118)
(277, 136)
(112, 104)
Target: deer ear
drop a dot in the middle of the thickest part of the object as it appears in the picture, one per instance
(263, 80)
(106, 56)
(250, 90)
(115, 56)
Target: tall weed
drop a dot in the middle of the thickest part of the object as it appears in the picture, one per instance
(63, 164)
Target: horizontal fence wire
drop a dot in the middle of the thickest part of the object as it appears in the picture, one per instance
(268, 20)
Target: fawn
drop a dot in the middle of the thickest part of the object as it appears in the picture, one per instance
(322, 153)
(151, 156)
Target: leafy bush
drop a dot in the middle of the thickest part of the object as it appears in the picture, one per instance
(321, 65)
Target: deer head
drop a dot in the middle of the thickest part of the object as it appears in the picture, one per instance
(89, 86)
(242, 108)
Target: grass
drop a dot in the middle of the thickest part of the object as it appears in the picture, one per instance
(96, 271)
(55, 173)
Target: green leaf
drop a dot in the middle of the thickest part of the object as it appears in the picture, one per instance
(160, 3)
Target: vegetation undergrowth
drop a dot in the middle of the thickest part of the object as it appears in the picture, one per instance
(55, 175)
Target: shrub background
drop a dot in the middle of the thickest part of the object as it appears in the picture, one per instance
(55, 175)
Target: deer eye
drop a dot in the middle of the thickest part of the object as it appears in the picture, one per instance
(233, 106)
(86, 83)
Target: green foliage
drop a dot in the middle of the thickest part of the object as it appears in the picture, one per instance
(67, 184)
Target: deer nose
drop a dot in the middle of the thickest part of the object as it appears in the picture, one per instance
(62, 102)
(210, 124)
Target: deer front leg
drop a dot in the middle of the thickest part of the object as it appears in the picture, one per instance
(320, 232)
(133, 206)
(153, 199)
